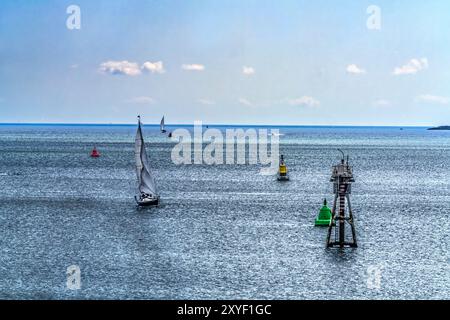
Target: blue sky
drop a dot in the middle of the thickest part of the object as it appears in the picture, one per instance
(239, 62)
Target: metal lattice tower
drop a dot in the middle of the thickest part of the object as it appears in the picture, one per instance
(342, 220)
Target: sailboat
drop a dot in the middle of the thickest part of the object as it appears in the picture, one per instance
(161, 126)
(147, 195)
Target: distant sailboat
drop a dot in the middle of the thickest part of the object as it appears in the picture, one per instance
(162, 126)
(148, 195)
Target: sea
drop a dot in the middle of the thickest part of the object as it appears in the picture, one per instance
(222, 231)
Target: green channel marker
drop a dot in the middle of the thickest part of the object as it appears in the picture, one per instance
(324, 218)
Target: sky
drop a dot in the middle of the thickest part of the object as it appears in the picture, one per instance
(280, 62)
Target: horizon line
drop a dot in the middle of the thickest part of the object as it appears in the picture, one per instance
(210, 124)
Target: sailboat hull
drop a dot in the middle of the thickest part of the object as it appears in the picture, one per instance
(147, 203)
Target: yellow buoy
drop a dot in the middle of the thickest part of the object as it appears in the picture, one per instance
(282, 170)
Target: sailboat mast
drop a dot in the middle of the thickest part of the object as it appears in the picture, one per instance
(140, 130)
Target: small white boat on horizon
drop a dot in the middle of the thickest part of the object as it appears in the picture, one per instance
(162, 126)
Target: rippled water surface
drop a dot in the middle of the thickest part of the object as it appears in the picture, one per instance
(222, 231)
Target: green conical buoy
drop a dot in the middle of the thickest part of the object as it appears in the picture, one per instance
(324, 218)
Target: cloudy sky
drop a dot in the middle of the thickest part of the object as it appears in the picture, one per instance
(235, 61)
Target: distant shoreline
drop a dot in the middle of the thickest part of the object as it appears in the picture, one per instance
(440, 128)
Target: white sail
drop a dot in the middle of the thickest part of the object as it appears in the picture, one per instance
(146, 183)
(161, 126)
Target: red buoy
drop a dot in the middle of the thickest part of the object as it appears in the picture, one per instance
(95, 153)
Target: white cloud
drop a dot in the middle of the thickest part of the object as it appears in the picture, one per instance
(382, 103)
(248, 70)
(412, 67)
(193, 67)
(433, 99)
(354, 69)
(303, 101)
(245, 102)
(74, 66)
(120, 68)
(141, 100)
(153, 67)
(206, 102)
